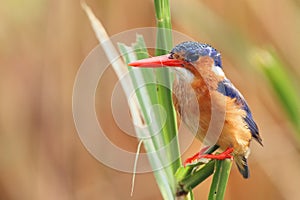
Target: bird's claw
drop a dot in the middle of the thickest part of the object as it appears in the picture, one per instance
(194, 157)
(222, 156)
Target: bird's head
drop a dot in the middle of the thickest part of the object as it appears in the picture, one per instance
(189, 55)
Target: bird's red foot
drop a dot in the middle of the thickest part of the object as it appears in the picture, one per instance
(222, 156)
(195, 157)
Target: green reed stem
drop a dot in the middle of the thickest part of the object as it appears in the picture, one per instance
(220, 179)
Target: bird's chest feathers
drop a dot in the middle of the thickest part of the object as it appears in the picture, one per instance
(194, 96)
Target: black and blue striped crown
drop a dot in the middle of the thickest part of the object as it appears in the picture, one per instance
(193, 50)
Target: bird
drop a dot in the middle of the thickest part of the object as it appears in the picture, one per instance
(202, 89)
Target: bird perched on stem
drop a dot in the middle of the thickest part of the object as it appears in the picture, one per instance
(199, 73)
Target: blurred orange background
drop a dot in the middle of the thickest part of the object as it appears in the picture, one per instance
(43, 44)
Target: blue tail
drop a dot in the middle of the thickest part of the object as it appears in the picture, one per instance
(241, 163)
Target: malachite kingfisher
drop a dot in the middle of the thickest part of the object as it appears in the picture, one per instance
(199, 67)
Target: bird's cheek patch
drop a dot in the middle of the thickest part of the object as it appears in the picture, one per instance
(217, 70)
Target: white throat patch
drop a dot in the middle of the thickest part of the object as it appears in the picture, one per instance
(217, 70)
(184, 74)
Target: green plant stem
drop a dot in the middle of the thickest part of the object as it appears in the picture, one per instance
(164, 82)
(220, 179)
(190, 182)
(147, 93)
(163, 22)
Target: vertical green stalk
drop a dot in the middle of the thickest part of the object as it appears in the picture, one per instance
(163, 22)
(147, 97)
(166, 141)
(164, 82)
(220, 179)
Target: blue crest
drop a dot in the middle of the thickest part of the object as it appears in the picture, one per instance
(192, 50)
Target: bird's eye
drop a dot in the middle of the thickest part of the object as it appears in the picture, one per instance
(192, 57)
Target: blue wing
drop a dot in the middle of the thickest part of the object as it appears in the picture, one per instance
(226, 88)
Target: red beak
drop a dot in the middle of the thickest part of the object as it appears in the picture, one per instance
(158, 61)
